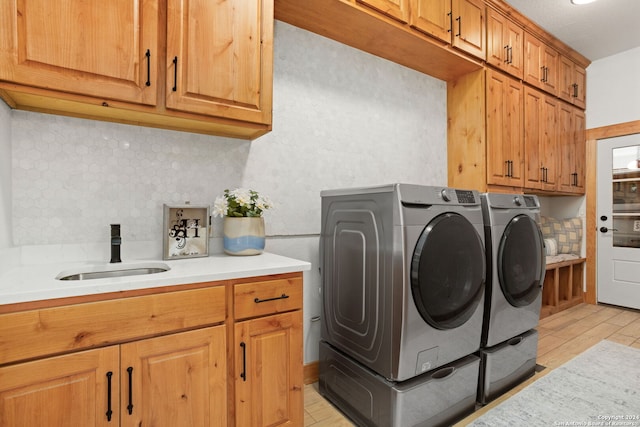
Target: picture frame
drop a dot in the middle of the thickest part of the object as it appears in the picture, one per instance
(185, 232)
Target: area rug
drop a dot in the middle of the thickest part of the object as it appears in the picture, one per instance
(599, 387)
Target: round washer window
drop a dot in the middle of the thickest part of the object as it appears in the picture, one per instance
(521, 261)
(448, 271)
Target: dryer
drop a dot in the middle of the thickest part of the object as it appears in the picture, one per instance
(403, 274)
(515, 266)
(515, 275)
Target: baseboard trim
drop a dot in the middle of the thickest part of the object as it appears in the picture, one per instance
(311, 372)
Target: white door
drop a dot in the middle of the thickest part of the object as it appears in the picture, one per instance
(618, 221)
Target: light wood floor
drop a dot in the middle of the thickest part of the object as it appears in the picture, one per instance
(562, 336)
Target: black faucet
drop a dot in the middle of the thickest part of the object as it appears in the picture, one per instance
(116, 241)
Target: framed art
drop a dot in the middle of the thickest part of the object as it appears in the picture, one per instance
(186, 232)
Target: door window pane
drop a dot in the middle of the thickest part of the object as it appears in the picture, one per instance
(626, 197)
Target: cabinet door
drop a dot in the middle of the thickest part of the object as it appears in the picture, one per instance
(580, 144)
(268, 371)
(565, 79)
(504, 43)
(550, 59)
(469, 28)
(566, 148)
(533, 71)
(497, 45)
(71, 390)
(515, 36)
(548, 144)
(432, 17)
(177, 380)
(504, 130)
(89, 47)
(220, 58)
(580, 79)
(396, 9)
(533, 101)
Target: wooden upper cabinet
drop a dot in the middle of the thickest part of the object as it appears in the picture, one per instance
(540, 64)
(458, 22)
(573, 79)
(504, 43)
(219, 58)
(104, 49)
(540, 140)
(69, 390)
(397, 9)
(504, 130)
(469, 27)
(572, 149)
(432, 17)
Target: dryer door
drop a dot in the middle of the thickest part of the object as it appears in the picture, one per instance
(448, 271)
(521, 261)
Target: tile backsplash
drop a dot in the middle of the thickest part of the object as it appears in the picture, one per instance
(342, 118)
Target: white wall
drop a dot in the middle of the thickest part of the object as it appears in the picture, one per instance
(342, 118)
(5, 177)
(613, 89)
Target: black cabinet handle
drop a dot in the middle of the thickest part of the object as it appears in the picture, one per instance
(243, 374)
(258, 300)
(459, 19)
(109, 411)
(506, 54)
(450, 15)
(130, 405)
(575, 90)
(148, 55)
(175, 73)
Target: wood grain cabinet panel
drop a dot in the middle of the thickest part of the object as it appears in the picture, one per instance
(573, 80)
(572, 149)
(460, 23)
(504, 43)
(70, 390)
(219, 58)
(192, 65)
(82, 47)
(540, 140)
(268, 297)
(269, 371)
(178, 380)
(397, 9)
(505, 144)
(540, 64)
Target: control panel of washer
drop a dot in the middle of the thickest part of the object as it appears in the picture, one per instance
(465, 196)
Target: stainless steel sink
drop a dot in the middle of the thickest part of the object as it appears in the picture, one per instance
(112, 270)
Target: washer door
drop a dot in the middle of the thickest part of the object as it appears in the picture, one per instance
(448, 271)
(521, 262)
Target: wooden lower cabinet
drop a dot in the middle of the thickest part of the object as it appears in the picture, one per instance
(70, 390)
(269, 371)
(178, 380)
(175, 380)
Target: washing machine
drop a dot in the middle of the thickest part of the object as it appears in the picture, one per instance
(403, 274)
(515, 265)
(515, 275)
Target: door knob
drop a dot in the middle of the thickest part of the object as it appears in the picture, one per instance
(605, 229)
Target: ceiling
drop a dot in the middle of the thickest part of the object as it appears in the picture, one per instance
(595, 30)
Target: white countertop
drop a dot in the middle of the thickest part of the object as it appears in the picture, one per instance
(38, 282)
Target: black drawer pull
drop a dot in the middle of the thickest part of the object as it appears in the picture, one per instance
(258, 300)
(148, 55)
(109, 411)
(130, 405)
(243, 374)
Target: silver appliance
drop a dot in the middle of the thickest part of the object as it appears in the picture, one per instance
(515, 275)
(403, 278)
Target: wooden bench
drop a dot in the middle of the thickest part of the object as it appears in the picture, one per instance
(563, 286)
